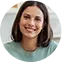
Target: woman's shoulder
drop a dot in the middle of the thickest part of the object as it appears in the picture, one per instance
(9, 44)
(53, 45)
(5, 52)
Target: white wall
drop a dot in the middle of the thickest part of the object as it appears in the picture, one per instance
(6, 26)
(56, 19)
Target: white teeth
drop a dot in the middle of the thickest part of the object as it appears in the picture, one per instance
(29, 29)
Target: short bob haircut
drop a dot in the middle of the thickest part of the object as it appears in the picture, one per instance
(46, 33)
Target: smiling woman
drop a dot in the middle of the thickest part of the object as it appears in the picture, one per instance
(31, 33)
(31, 22)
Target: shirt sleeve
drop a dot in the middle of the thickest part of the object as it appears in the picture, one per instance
(59, 54)
(56, 51)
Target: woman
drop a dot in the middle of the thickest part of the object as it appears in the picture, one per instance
(31, 33)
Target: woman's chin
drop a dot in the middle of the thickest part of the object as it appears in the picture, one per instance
(31, 36)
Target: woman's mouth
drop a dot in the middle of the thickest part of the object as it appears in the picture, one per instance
(30, 29)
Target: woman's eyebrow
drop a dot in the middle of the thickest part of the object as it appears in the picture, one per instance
(26, 14)
(38, 16)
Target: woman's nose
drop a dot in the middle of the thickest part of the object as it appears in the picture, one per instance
(31, 22)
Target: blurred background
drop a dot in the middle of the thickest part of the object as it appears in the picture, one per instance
(8, 19)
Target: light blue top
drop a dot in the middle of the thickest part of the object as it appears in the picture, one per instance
(16, 50)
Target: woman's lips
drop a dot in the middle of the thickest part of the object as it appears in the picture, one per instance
(30, 29)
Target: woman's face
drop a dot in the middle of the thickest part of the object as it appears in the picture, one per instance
(31, 21)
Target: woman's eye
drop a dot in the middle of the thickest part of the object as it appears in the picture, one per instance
(37, 19)
(26, 17)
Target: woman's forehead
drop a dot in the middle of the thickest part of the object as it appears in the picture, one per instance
(33, 10)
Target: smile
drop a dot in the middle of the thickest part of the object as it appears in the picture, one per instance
(30, 29)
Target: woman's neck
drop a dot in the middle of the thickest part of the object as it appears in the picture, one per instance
(29, 44)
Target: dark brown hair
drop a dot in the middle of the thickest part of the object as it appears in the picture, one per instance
(46, 33)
